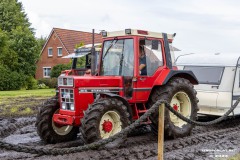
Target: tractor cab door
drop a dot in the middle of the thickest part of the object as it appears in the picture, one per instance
(118, 60)
(150, 59)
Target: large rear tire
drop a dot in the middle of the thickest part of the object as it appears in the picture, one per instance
(104, 118)
(48, 130)
(181, 96)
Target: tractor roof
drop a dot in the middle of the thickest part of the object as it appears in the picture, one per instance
(135, 32)
(84, 50)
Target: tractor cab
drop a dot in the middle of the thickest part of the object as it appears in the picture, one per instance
(139, 57)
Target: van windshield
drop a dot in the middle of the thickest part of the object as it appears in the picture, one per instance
(207, 75)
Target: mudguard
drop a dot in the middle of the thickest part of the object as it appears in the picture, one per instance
(187, 74)
(125, 102)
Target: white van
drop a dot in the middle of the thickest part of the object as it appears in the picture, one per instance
(219, 80)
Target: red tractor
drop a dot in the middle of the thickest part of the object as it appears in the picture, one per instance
(135, 69)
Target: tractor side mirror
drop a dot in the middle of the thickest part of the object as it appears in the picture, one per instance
(155, 44)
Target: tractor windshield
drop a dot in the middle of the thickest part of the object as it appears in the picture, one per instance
(118, 58)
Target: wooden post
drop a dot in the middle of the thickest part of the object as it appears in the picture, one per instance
(161, 131)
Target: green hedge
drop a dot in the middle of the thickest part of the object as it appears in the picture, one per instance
(50, 82)
(56, 70)
(31, 83)
(11, 80)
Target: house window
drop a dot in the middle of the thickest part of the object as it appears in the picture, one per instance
(59, 51)
(50, 52)
(46, 72)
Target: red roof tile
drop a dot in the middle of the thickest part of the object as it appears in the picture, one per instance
(70, 38)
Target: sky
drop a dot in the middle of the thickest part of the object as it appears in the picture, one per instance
(201, 26)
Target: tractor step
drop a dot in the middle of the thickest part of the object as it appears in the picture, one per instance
(142, 111)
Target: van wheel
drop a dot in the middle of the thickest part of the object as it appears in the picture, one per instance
(103, 119)
(181, 96)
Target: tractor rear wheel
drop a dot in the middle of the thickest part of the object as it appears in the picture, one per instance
(103, 119)
(48, 130)
(181, 96)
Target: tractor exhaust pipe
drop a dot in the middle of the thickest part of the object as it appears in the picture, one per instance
(93, 55)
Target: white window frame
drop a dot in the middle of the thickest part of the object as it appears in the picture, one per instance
(44, 72)
(49, 52)
(58, 51)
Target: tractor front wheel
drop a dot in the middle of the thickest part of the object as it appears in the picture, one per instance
(48, 130)
(104, 118)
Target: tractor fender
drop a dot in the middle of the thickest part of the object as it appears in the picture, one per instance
(125, 102)
(187, 74)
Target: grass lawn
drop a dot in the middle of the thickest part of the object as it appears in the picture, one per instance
(23, 102)
(28, 93)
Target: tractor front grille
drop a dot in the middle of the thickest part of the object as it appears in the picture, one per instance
(67, 99)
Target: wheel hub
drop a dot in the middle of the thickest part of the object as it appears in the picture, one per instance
(107, 126)
(110, 124)
(175, 107)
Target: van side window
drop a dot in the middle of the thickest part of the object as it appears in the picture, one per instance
(207, 75)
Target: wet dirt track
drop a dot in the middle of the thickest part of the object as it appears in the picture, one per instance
(217, 141)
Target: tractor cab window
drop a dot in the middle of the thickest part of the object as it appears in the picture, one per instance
(117, 58)
(81, 62)
(239, 78)
(150, 58)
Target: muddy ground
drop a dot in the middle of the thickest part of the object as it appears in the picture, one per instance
(219, 141)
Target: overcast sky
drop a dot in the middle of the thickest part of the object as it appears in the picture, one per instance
(201, 25)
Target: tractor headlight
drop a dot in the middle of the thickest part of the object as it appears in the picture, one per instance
(67, 99)
(72, 107)
(64, 106)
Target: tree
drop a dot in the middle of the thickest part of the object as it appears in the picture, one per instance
(19, 49)
(41, 41)
(8, 57)
(79, 45)
(56, 71)
(24, 43)
(12, 15)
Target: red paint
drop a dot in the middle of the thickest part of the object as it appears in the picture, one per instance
(107, 126)
(142, 32)
(175, 107)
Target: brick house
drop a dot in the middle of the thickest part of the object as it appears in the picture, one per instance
(60, 42)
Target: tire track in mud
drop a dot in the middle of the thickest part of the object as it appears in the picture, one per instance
(9, 127)
(150, 150)
(140, 147)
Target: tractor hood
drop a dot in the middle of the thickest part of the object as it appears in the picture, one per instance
(97, 81)
(97, 84)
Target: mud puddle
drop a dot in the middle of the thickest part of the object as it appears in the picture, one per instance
(204, 143)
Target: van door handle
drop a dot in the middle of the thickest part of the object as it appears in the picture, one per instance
(215, 87)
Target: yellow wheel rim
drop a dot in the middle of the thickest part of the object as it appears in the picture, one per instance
(182, 104)
(110, 124)
(61, 130)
